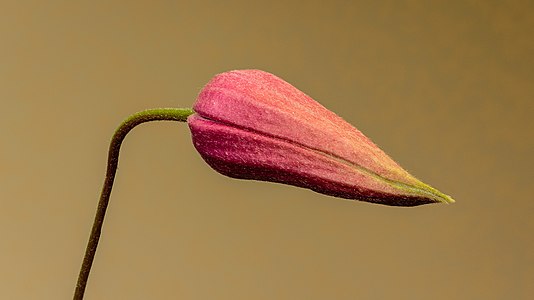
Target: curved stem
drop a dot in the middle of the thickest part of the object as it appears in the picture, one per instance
(158, 114)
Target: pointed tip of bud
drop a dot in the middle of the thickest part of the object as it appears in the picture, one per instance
(436, 195)
(447, 199)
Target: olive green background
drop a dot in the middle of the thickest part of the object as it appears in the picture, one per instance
(445, 87)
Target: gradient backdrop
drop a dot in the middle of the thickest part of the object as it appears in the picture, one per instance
(446, 88)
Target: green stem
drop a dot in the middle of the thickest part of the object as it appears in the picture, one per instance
(157, 114)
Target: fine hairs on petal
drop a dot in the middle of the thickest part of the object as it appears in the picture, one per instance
(250, 124)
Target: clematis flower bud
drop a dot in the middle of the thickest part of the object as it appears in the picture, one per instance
(250, 124)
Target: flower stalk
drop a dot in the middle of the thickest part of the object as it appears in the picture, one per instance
(158, 114)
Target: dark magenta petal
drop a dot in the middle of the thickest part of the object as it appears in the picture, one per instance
(250, 124)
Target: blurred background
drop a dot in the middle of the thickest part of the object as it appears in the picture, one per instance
(444, 87)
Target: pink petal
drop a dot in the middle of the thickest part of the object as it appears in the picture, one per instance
(251, 124)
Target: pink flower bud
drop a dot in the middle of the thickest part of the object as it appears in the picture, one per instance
(250, 124)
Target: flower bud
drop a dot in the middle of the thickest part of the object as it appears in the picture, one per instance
(250, 124)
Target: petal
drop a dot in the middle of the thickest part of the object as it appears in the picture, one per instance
(261, 101)
(258, 102)
(243, 154)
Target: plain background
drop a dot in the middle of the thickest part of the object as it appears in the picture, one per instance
(445, 87)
